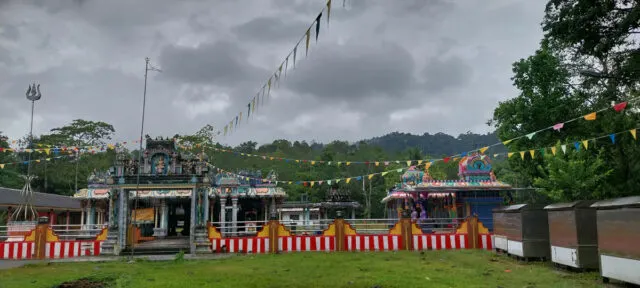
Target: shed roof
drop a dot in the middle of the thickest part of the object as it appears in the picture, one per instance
(570, 205)
(631, 201)
(12, 197)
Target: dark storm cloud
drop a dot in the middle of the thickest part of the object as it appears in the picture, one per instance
(451, 72)
(353, 71)
(219, 63)
(270, 29)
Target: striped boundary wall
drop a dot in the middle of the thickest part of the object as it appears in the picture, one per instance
(440, 242)
(486, 241)
(385, 242)
(53, 250)
(238, 244)
(306, 243)
(373, 242)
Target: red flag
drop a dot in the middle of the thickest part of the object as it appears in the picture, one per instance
(620, 106)
(446, 159)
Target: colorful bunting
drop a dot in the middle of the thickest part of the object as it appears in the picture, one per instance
(620, 106)
(558, 126)
(590, 116)
(277, 75)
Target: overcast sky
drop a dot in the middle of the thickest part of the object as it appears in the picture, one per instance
(381, 66)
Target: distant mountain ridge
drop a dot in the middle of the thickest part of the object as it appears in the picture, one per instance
(435, 144)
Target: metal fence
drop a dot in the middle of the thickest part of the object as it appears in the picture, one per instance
(316, 227)
(17, 231)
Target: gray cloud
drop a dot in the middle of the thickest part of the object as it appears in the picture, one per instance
(219, 63)
(353, 71)
(380, 66)
(270, 29)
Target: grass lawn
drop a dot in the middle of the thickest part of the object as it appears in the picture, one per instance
(466, 268)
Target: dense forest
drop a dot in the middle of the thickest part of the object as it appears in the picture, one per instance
(587, 61)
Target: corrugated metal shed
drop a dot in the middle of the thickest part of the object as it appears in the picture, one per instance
(11, 197)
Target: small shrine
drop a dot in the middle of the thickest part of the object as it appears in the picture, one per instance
(445, 202)
(246, 200)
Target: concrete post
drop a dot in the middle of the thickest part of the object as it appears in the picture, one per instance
(192, 228)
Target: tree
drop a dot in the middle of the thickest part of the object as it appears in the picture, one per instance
(577, 176)
(80, 133)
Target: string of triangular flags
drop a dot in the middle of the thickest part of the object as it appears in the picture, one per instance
(273, 81)
(48, 149)
(427, 164)
(577, 145)
(311, 183)
(72, 154)
(619, 107)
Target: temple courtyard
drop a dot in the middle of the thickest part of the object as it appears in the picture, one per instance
(467, 268)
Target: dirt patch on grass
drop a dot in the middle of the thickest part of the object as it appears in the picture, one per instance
(83, 283)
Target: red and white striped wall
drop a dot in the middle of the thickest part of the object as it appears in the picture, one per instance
(373, 242)
(53, 250)
(244, 245)
(69, 249)
(306, 243)
(485, 241)
(440, 242)
(17, 250)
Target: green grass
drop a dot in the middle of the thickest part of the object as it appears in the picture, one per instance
(465, 268)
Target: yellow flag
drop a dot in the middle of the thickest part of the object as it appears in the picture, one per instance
(370, 176)
(633, 132)
(384, 173)
(348, 163)
(312, 183)
(339, 163)
(47, 150)
(590, 116)
(271, 158)
(290, 182)
(377, 163)
(409, 163)
(348, 180)
(28, 150)
(313, 162)
(509, 154)
(484, 149)
(297, 161)
(427, 165)
(533, 153)
(308, 35)
(419, 162)
(522, 154)
(507, 142)
(553, 150)
(586, 144)
(1, 166)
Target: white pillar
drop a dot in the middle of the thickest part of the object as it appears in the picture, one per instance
(164, 218)
(82, 217)
(234, 214)
(223, 203)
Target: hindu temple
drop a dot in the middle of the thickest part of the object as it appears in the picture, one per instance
(439, 204)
